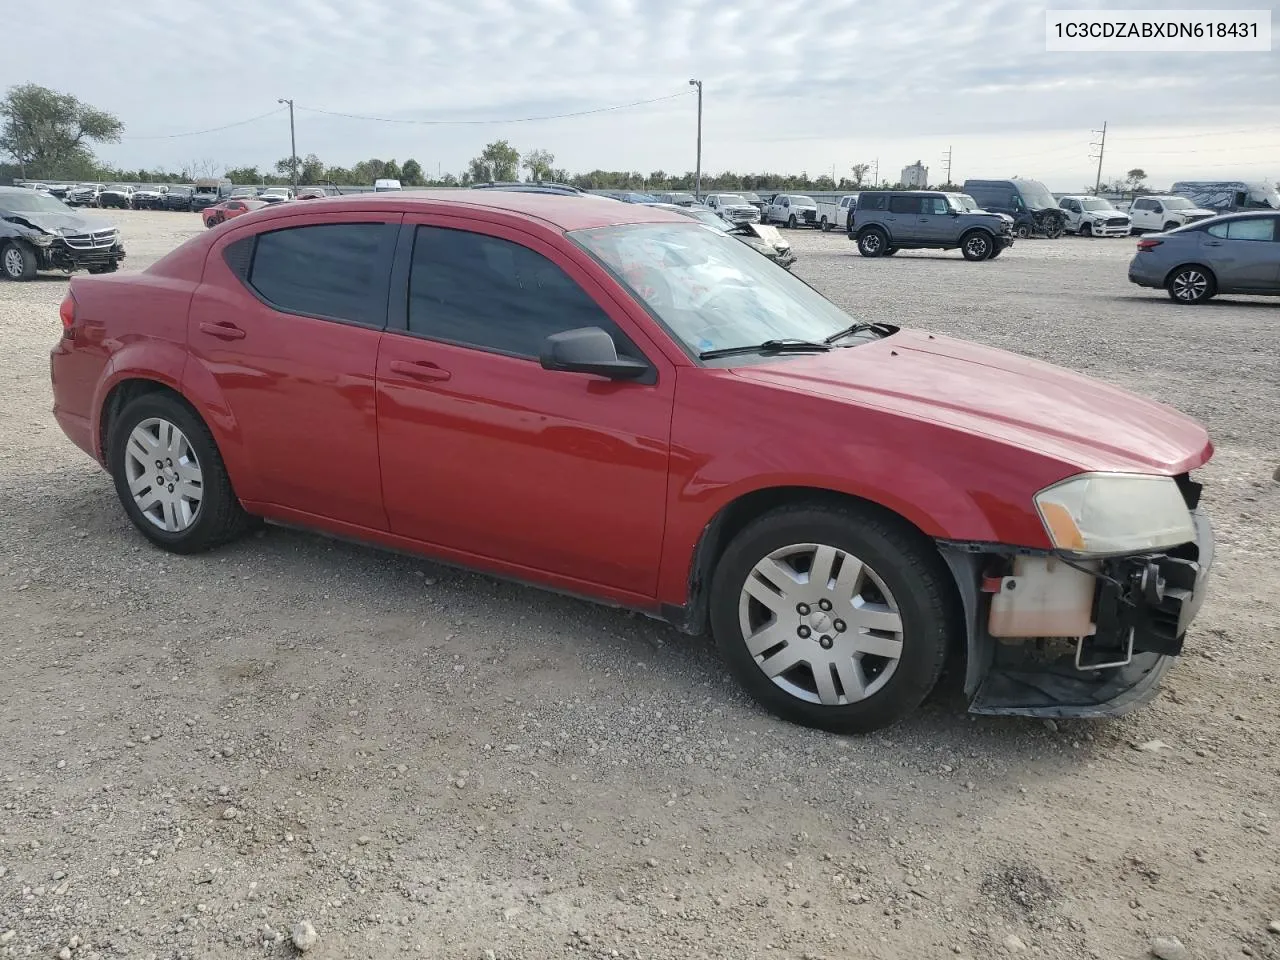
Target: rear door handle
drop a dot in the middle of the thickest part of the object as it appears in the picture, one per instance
(419, 370)
(1213, 243)
(222, 330)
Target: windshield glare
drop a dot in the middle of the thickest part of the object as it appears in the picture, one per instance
(962, 202)
(1096, 204)
(710, 290)
(733, 198)
(1177, 203)
(1036, 195)
(28, 201)
(802, 202)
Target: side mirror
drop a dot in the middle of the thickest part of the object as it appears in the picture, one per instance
(589, 350)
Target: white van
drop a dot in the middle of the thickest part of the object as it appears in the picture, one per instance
(382, 186)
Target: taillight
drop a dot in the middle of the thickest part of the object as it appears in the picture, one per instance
(1148, 244)
(68, 314)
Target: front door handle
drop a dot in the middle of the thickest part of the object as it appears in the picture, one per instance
(419, 370)
(1213, 243)
(223, 330)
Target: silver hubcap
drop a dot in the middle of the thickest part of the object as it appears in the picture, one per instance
(821, 624)
(13, 262)
(976, 246)
(1190, 285)
(164, 475)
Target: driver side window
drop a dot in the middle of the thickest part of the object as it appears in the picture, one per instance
(481, 291)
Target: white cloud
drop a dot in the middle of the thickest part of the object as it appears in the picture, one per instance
(789, 85)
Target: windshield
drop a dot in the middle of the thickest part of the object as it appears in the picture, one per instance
(1177, 203)
(962, 202)
(710, 290)
(799, 201)
(118, 186)
(733, 198)
(28, 201)
(1264, 196)
(709, 217)
(1035, 194)
(751, 197)
(1096, 204)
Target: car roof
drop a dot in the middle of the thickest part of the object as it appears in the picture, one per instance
(568, 212)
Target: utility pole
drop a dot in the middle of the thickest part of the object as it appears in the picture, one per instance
(876, 177)
(293, 145)
(1102, 146)
(697, 177)
(947, 160)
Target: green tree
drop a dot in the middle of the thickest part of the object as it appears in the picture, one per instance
(538, 163)
(250, 175)
(860, 171)
(497, 161)
(411, 173)
(48, 133)
(1136, 179)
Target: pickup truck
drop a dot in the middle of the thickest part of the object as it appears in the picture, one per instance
(791, 210)
(733, 207)
(835, 213)
(1164, 213)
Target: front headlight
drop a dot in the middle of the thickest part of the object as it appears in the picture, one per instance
(41, 239)
(1115, 513)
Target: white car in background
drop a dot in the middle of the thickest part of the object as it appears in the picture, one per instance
(734, 207)
(1158, 214)
(834, 214)
(1094, 217)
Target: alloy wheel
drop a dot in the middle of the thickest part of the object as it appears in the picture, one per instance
(821, 624)
(1190, 285)
(13, 264)
(163, 475)
(977, 247)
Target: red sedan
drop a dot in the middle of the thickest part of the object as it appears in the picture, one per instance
(613, 401)
(229, 208)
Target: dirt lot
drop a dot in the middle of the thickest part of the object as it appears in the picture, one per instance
(197, 754)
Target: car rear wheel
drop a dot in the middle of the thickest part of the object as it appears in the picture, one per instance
(1171, 225)
(18, 260)
(1086, 230)
(1192, 284)
(170, 477)
(976, 246)
(872, 242)
(833, 617)
(826, 227)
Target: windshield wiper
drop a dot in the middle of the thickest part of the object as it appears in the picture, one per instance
(788, 345)
(881, 328)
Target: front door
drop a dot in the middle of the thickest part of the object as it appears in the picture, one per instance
(904, 218)
(486, 453)
(935, 223)
(286, 323)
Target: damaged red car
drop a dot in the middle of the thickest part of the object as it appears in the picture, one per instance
(616, 402)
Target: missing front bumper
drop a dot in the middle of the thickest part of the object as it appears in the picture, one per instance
(1040, 678)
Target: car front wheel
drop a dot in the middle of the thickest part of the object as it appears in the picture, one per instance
(825, 225)
(833, 617)
(18, 260)
(1086, 230)
(976, 246)
(872, 242)
(1191, 285)
(170, 477)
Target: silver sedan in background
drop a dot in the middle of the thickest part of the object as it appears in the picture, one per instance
(1237, 253)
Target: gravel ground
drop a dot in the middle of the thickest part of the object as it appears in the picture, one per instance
(198, 754)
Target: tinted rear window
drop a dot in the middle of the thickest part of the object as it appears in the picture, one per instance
(332, 270)
(872, 201)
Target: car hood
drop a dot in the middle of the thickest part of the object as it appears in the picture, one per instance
(59, 223)
(1037, 406)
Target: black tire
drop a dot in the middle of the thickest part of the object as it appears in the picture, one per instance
(1190, 284)
(976, 245)
(1086, 230)
(18, 260)
(219, 517)
(1022, 231)
(903, 559)
(791, 222)
(1170, 226)
(872, 242)
(996, 250)
(826, 227)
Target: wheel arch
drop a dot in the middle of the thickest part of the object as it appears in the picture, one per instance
(1213, 277)
(735, 515)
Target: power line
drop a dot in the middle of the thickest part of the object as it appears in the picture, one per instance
(556, 116)
(196, 133)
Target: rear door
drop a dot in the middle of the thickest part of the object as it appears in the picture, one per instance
(284, 329)
(1244, 254)
(903, 218)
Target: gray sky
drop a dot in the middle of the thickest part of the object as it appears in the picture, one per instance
(790, 85)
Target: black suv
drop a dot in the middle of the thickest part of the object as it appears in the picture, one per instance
(887, 221)
(1029, 202)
